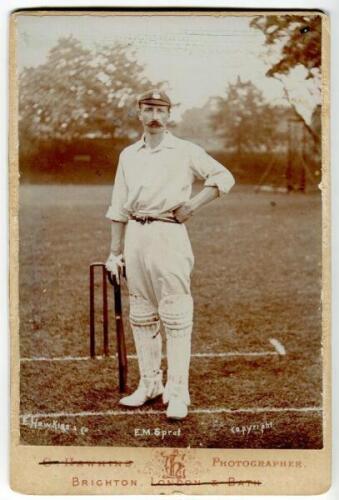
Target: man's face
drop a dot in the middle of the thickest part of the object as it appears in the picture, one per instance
(154, 118)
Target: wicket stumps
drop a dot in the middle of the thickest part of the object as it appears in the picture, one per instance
(120, 336)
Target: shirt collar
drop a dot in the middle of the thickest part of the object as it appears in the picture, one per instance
(167, 142)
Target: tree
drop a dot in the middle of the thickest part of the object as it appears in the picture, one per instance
(244, 119)
(80, 93)
(195, 124)
(298, 43)
(300, 37)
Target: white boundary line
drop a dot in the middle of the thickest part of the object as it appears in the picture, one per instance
(133, 356)
(134, 412)
(279, 351)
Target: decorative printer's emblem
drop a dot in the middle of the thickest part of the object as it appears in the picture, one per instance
(174, 467)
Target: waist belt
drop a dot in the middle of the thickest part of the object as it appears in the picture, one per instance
(143, 219)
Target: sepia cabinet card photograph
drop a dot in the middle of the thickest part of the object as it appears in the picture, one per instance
(169, 252)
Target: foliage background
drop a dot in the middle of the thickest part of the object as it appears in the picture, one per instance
(78, 107)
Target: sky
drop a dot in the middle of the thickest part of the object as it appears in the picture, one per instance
(197, 55)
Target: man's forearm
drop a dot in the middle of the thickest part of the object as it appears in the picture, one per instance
(206, 195)
(118, 231)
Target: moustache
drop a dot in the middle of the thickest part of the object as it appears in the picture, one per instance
(154, 123)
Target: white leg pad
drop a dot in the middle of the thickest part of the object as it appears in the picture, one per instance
(145, 326)
(176, 313)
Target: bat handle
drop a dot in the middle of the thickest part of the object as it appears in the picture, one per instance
(112, 279)
(121, 345)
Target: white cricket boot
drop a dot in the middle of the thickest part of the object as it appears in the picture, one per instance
(148, 389)
(176, 409)
(148, 346)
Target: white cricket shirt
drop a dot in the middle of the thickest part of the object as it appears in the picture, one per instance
(155, 181)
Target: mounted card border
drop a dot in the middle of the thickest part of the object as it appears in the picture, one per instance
(31, 474)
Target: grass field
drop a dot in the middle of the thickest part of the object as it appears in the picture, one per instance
(257, 277)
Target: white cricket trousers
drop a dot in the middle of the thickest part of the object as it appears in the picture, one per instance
(159, 262)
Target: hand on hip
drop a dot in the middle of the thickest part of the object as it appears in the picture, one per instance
(184, 212)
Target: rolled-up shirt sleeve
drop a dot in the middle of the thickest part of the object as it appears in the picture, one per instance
(207, 168)
(116, 210)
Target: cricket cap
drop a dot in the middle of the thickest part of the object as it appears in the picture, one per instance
(155, 97)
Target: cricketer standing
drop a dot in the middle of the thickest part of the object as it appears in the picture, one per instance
(151, 200)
